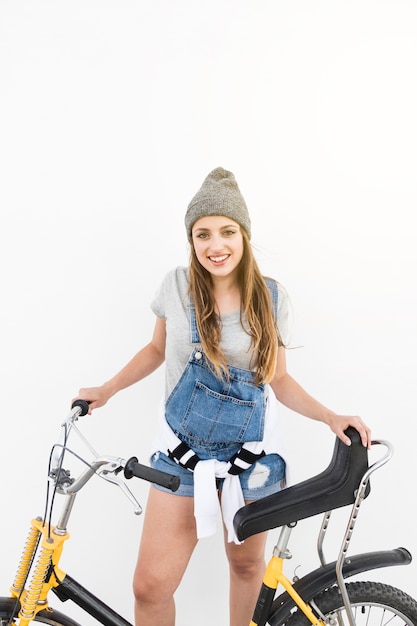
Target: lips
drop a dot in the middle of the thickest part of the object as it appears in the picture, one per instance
(219, 259)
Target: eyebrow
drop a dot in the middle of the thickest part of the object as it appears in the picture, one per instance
(221, 228)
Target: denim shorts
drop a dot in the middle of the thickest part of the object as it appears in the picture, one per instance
(263, 478)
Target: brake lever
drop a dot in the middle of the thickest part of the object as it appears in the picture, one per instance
(108, 475)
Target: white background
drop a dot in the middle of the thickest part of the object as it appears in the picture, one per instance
(112, 113)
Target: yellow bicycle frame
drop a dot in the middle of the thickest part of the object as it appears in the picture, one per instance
(274, 576)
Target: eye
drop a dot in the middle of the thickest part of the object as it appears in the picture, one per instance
(202, 235)
(229, 233)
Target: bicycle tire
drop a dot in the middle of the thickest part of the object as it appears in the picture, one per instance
(372, 603)
(9, 609)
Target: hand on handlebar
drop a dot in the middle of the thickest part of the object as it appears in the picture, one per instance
(95, 396)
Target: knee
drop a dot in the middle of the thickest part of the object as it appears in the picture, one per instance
(142, 589)
(147, 589)
(246, 567)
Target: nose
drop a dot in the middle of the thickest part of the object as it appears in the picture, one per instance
(216, 242)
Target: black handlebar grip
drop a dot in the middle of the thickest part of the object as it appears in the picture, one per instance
(133, 468)
(82, 404)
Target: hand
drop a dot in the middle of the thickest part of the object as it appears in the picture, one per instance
(339, 423)
(96, 396)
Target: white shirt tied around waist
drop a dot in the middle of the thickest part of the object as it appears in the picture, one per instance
(206, 501)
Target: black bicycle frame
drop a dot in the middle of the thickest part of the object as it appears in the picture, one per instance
(307, 587)
(70, 589)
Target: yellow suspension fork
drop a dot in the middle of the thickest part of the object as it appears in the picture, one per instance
(26, 558)
(34, 598)
(274, 576)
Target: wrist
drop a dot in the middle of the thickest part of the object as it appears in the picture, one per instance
(109, 389)
(329, 418)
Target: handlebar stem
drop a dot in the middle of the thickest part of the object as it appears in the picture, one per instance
(91, 470)
(72, 490)
(61, 527)
(103, 467)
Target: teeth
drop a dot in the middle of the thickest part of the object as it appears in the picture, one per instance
(219, 259)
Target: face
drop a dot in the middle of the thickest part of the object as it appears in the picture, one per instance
(218, 244)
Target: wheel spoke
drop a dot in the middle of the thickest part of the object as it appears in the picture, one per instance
(373, 604)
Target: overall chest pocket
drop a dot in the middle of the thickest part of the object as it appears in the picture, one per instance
(208, 412)
(212, 417)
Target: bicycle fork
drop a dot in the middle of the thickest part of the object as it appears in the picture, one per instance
(34, 598)
(275, 576)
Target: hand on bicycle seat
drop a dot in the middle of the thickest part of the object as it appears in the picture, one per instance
(339, 423)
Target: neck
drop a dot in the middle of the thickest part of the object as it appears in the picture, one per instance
(226, 294)
(224, 284)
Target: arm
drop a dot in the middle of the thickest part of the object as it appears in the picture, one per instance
(146, 361)
(293, 396)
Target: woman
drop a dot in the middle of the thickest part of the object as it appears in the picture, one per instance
(217, 329)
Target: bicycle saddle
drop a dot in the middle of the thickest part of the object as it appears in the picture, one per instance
(333, 488)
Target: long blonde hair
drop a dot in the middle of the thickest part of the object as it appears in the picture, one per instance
(256, 309)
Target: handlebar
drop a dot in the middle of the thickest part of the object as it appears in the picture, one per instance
(133, 468)
(106, 467)
(82, 405)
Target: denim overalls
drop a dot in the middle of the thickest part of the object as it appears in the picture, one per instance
(215, 416)
(215, 427)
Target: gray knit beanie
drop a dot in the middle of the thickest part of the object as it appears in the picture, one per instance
(218, 195)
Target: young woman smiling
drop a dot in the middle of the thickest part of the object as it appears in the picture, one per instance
(219, 328)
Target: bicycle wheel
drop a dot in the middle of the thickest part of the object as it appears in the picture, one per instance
(372, 604)
(9, 610)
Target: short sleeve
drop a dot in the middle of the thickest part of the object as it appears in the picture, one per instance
(172, 295)
(158, 304)
(285, 315)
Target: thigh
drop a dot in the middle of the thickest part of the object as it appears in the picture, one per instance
(249, 555)
(168, 540)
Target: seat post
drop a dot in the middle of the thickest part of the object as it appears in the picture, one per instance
(281, 547)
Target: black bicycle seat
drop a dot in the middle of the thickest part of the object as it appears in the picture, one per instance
(333, 488)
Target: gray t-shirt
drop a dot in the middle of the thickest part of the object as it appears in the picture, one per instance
(172, 303)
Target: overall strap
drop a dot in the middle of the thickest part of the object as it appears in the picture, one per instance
(273, 290)
(194, 334)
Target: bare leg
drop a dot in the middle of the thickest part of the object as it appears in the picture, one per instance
(168, 540)
(247, 567)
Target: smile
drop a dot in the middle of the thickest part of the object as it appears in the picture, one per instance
(219, 259)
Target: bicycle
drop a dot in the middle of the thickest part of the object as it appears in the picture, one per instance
(322, 597)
